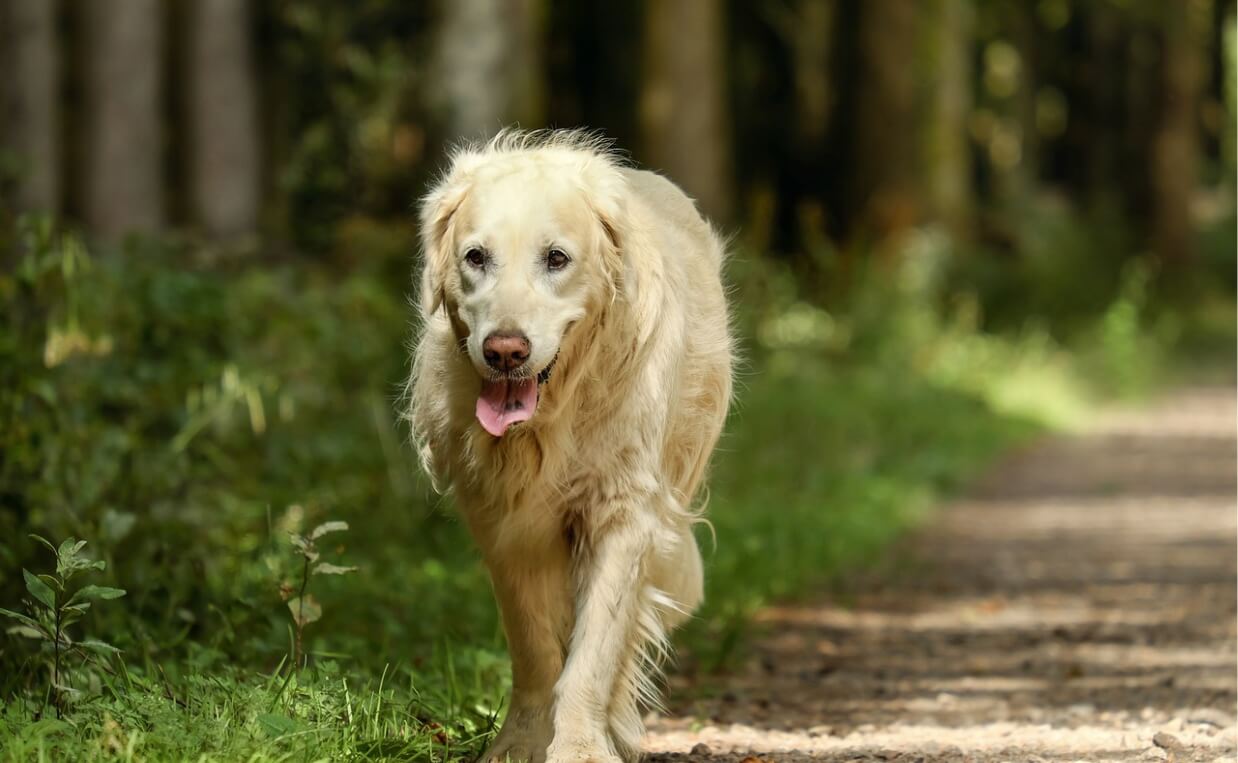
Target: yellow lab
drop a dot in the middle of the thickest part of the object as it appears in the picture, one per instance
(570, 380)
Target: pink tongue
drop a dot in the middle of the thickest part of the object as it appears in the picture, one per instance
(503, 403)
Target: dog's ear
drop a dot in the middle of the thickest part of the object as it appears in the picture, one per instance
(608, 204)
(632, 269)
(609, 217)
(437, 211)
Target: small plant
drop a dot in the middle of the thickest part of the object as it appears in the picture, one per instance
(304, 607)
(1125, 343)
(53, 609)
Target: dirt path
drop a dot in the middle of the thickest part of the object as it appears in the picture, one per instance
(1079, 604)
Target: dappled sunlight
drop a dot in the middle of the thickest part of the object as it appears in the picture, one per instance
(1001, 738)
(944, 231)
(982, 614)
(1081, 599)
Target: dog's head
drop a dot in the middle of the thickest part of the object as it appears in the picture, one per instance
(521, 240)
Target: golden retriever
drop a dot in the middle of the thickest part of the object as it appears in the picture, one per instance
(570, 379)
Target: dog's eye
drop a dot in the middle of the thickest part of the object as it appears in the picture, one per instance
(557, 259)
(475, 257)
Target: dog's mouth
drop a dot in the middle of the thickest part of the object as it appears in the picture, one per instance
(508, 400)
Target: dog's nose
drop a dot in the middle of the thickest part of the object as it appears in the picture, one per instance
(505, 352)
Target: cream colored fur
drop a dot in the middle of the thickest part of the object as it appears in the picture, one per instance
(584, 513)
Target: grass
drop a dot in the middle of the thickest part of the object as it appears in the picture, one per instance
(323, 714)
(188, 419)
(840, 463)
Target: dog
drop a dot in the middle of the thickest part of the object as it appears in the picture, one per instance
(571, 376)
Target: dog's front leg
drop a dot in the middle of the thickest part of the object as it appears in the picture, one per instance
(534, 597)
(596, 711)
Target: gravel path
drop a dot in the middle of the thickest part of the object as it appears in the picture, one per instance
(1078, 604)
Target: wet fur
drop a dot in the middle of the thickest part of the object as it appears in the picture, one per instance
(584, 513)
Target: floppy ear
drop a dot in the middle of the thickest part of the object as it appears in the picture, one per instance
(632, 266)
(611, 243)
(607, 202)
(437, 209)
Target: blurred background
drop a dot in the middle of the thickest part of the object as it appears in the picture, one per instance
(955, 224)
(803, 123)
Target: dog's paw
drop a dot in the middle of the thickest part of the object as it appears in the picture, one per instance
(525, 735)
(578, 752)
(596, 756)
(514, 750)
(521, 740)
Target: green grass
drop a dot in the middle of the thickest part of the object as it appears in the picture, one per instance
(819, 469)
(185, 418)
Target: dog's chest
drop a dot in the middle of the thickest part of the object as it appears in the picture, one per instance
(538, 512)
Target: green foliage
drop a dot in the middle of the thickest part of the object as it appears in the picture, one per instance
(162, 407)
(53, 609)
(303, 607)
(1057, 268)
(1125, 347)
(349, 104)
(322, 713)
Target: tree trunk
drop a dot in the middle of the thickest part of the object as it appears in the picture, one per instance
(809, 32)
(947, 148)
(1229, 95)
(31, 126)
(224, 152)
(884, 151)
(489, 67)
(124, 134)
(1105, 108)
(1175, 147)
(685, 120)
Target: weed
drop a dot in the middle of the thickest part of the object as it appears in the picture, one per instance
(53, 609)
(305, 609)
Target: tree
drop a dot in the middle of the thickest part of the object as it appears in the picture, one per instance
(885, 155)
(31, 126)
(807, 29)
(488, 65)
(948, 74)
(124, 189)
(224, 151)
(1106, 101)
(1175, 146)
(685, 119)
